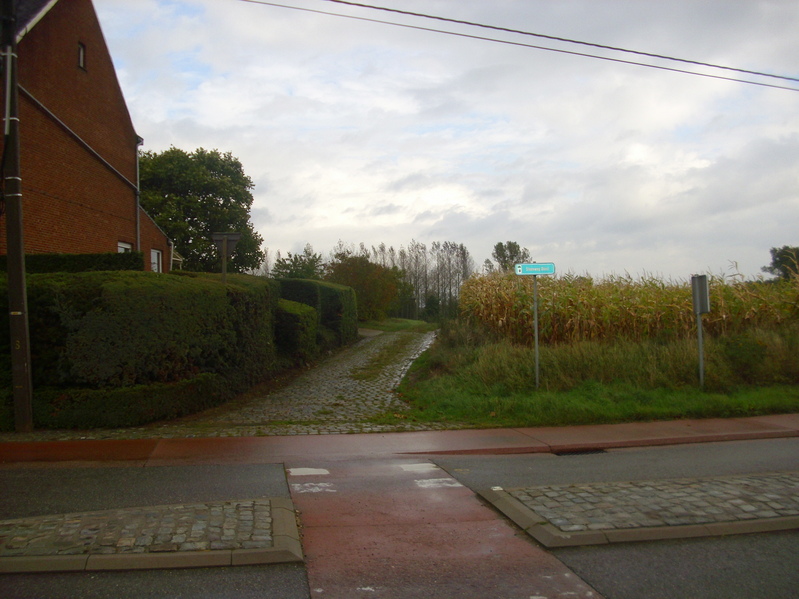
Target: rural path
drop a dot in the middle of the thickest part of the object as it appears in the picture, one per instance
(339, 395)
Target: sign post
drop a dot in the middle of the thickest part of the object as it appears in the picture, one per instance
(225, 243)
(535, 269)
(700, 290)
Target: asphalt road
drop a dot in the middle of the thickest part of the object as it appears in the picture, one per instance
(763, 566)
(759, 566)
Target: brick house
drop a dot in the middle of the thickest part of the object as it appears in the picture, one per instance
(78, 148)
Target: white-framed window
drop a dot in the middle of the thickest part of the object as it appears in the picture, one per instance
(156, 261)
(124, 247)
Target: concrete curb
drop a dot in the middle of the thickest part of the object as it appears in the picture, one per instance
(550, 536)
(286, 548)
(617, 444)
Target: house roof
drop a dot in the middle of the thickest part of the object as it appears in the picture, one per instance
(30, 12)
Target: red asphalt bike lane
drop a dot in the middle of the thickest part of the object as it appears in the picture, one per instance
(405, 529)
(220, 450)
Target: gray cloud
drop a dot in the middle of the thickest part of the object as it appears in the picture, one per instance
(363, 132)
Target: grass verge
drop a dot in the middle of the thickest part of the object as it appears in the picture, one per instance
(480, 382)
(392, 325)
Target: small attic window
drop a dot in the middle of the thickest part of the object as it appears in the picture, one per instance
(82, 55)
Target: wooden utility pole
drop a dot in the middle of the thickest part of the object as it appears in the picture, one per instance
(12, 197)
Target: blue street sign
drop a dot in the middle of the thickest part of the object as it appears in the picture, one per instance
(536, 268)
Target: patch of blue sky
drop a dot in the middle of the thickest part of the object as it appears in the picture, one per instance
(465, 125)
(490, 161)
(193, 71)
(178, 8)
(361, 62)
(120, 24)
(727, 111)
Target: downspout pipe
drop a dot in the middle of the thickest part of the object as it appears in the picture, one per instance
(139, 143)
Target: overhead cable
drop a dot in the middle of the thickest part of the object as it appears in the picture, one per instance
(563, 39)
(532, 46)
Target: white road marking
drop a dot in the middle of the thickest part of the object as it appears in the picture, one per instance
(313, 488)
(437, 483)
(308, 471)
(424, 467)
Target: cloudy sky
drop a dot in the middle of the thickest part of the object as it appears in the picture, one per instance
(366, 132)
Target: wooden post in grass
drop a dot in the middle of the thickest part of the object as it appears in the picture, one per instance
(225, 243)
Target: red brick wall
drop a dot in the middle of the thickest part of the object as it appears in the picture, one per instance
(89, 101)
(72, 202)
(153, 239)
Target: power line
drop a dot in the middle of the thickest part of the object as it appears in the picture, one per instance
(563, 39)
(536, 47)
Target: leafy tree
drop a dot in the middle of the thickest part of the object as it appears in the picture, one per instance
(299, 266)
(193, 195)
(506, 255)
(432, 308)
(376, 287)
(784, 262)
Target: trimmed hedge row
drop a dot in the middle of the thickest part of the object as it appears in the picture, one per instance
(111, 349)
(296, 328)
(41, 263)
(335, 304)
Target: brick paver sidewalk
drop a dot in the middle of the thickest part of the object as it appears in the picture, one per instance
(216, 533)
(590, 513)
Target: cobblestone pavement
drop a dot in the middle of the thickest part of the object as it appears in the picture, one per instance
(223, 533)
(627, 505)
(340, 395)
(195, 527)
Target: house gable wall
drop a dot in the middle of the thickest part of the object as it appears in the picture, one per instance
(78, 148)
(88, 100)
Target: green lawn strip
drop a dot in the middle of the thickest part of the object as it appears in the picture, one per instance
(393, 325)
(444, 399)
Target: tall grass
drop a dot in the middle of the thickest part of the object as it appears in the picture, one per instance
(612, 350)
(473, 376)
(490, 364)
(574, 309)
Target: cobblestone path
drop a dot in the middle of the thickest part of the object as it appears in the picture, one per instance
(192, 527)
(339, 395)
(680, 502)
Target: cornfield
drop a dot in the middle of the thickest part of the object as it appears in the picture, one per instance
(576, 308)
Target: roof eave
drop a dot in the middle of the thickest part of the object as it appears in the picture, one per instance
(35, 19)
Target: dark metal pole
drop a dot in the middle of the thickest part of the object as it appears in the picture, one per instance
(701, 351)
(12, 192)
(535, 319)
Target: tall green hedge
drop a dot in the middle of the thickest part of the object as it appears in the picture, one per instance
(340, 311)
(112, 349)
(41, 263)
(336, 305)
(296, 328)
(117, 338)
